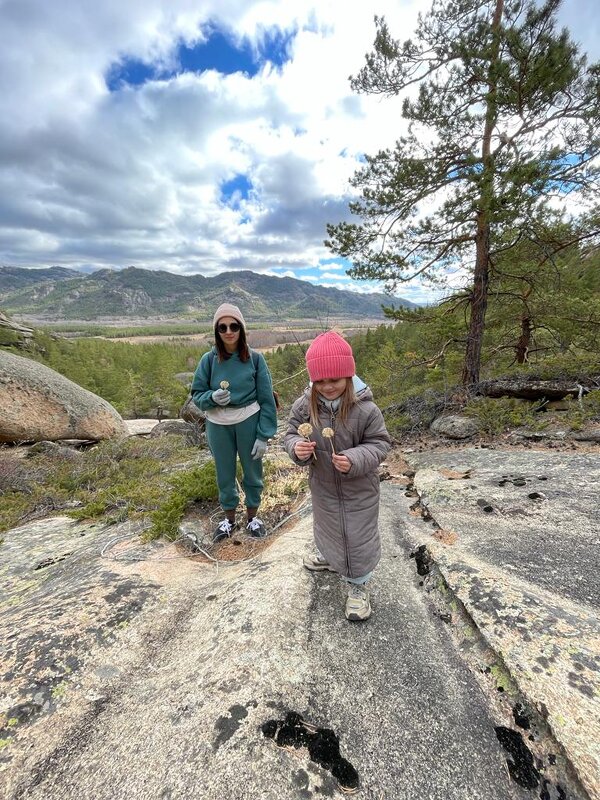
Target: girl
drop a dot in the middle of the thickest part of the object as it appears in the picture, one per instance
(343, 468)
(232, 385)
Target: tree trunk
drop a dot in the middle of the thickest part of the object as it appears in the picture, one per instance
(481, 275)
(479, 298)
(524, 340)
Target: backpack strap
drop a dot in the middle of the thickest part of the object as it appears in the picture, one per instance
(211, 358)
(276, 399)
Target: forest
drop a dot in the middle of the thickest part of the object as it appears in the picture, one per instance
(547, 327)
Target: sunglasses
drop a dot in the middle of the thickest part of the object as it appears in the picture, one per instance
(234, 327)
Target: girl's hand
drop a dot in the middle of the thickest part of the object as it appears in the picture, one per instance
(304, 449)
(341, 463)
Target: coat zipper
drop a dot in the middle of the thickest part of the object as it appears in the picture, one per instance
(338, 481)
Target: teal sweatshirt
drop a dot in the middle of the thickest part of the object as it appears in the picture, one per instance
(245, 384)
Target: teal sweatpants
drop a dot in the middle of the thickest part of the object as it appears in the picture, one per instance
(226, 442)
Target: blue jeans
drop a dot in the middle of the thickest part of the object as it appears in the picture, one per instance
(361, 580)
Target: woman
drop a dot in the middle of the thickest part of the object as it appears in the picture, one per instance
(232, 385)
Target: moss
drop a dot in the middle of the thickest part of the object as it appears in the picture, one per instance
(59, 691)
(501, 677)
(4, 743)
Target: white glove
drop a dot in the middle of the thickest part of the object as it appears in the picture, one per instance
(258, 450)
(221, 397)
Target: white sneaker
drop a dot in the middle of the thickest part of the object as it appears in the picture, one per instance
(358, 606)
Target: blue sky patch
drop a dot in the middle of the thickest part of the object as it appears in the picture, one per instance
(235, 190)
(220, 51)
(129, 72)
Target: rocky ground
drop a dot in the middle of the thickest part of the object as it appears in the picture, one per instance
(116, 654)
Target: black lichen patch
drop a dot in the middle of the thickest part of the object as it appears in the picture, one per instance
(422, 559)
(551, 792)
(269, 728)
(322, 744)
(300, 779)
(48, 562)
(227, 726)
(520, 716)
(520, 761)
(578, 682)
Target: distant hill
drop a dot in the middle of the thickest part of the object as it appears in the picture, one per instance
(58, 293)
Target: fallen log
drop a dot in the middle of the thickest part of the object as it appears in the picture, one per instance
(536, 389)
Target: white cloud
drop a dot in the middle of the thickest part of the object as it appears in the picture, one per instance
(90, 177)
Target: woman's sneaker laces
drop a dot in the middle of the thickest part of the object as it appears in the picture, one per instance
(224, 530)
(256, 528)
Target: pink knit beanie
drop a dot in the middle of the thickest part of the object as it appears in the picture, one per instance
(228, 310)
(330, 356)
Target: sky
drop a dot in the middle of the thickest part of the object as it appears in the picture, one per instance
(194, 136)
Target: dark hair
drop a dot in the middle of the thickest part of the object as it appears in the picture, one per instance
(242, 346)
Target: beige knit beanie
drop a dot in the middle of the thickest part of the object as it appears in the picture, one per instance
(228, 310)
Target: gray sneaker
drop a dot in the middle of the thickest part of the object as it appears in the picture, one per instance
(358, 606)
(316, 564)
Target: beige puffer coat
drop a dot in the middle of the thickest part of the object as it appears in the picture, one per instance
(345, 505)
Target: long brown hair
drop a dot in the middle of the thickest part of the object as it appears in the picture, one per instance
(347, 400)
(242, 345)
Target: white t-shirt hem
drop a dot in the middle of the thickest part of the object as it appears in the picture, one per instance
(225, 415)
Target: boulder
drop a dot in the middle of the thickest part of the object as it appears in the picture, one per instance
(454, 426)
(53, 450)
(140, 427)
(184, 377)
(537, 389)
(190, 431)
(39, 404)
(11, 325)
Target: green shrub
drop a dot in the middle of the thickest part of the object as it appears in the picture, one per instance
(398, 423)
(198, 483)
(561, 366)
(8, 337)
(113, 481)
(497, 415)
(591, 405)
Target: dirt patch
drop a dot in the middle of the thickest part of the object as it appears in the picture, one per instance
(202, 520)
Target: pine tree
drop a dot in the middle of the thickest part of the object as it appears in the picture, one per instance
(503, 126)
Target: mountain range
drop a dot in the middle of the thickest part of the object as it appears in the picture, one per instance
(59, 293)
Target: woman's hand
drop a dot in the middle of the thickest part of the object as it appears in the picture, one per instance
(221, 397)
(341, 463)
(304, 449)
